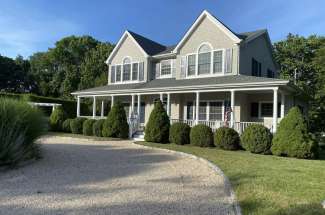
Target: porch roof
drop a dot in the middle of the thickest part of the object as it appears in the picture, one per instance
(229, 81)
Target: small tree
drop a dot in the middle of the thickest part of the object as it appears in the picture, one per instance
(116, 124)
(157, 128)
(292, 138)
(57, 118)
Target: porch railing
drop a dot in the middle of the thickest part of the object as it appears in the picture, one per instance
(214, 125)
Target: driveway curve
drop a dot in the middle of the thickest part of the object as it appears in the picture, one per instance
(80, 176)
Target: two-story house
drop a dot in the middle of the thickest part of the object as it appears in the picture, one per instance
(212, 76)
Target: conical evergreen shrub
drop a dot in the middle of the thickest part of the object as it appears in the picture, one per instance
(157, 128)
(57, 118)
(292, 138)
(116, 124)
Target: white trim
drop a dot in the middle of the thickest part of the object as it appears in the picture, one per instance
(206, 14)
(122, 70)
(208, 101)
(202, 88)
(171, 69)
(119, 43)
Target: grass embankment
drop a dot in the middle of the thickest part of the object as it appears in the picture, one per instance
(266, 184)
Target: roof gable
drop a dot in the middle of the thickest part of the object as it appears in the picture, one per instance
(220, 25)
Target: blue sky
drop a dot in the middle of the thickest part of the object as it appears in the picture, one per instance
(30, 26)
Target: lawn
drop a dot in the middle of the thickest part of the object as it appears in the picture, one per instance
(266, 184)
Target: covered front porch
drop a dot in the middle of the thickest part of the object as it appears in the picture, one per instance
(236, 108)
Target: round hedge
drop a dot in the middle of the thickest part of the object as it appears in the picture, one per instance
(201, 135)
(77, 124)
(157, 128)
(257, 139)
(57, 118)
(66, 125)
(98, 127)
(116, 124)
(179, 133)
(87, 127)
(227, 138)
(292, 138)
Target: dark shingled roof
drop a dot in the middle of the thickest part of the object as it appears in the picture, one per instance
(172, 83)
(149, 46)
(251, 34)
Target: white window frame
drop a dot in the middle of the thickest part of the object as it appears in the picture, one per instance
(131, 75)
(171, 69)
(211, 74)
(207, 109)
(260, 110)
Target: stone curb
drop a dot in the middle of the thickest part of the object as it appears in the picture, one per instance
(211, 165)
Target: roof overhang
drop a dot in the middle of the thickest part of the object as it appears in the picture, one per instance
(220, 25)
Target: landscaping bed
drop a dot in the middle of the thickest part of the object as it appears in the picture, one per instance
(267, 184)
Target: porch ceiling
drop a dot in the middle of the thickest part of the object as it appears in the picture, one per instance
(228, 81)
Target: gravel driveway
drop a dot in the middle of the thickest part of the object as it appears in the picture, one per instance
(79, 176)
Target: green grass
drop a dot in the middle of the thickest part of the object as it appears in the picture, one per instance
(266, 184)
(62, 134)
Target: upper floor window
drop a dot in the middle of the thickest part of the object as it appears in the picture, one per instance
(118, 73)
(135, 71)
(270, 73)
(256, 68)
(204, 59)
(127, 69)
(166, 68)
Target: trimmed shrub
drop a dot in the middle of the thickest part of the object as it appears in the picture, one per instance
(98, 127)
(292, 138)
(20, 126)
(66, 126)
(179, 133)
(57, 118)
(87, 127)
(257, 139)
(76, 125)
(227, 138)
(157, 128)
(201, 135)
(116, 124)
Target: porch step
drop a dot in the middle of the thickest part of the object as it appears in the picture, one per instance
(138, 136)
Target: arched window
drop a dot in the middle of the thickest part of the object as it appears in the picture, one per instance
(204, 59)
(127, 69)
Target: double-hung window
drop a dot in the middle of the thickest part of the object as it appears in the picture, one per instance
(135, 71)
(204, 60)
(203, 111)
(191, 65)
(217, 61)
(215, 111)
(165, 68)
(256, 68)
(127, 69)
(118, 73)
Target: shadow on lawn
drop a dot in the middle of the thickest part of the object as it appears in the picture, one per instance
(303, 209)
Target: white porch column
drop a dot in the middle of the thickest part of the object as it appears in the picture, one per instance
(102, 109)
(282, 104)
(168, 104)
(94, 107)
(197, 108)
(275, 109)
(232, 113)
(161, 97)
(139, 105)
(112, 101)
(78, 106)
(132, 106)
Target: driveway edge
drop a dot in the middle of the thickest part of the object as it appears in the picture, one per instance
(214, 167)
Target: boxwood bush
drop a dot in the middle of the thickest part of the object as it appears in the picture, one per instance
(76, 125)
(227, 138)
(201, 135)
(98, 127)
(87, 127)
(66, 126)
(157, 128)
(257, 138)
(116, 124)
(20, 126)
(57, 118)
(292, 138)
(179, 133)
